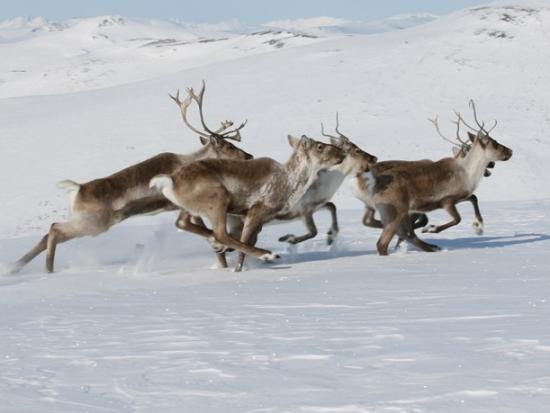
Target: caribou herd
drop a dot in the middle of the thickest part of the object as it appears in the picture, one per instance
(238, 194)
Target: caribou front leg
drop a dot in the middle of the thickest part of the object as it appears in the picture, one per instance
(332, 233)
(310, 224)
(450, 207)
(478, 222)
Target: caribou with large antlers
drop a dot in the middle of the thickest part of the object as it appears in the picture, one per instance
(421, 187)
(99, 204)
(259, 190)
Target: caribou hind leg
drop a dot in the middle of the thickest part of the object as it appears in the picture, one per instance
(84, 224)
(29, 256)
(369, 220)
(251, 238)
(195, 225)
(418, 220)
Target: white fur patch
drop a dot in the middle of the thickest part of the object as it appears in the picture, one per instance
(72, 189)
(165, 185)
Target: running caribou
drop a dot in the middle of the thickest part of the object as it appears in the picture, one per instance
(258, 190)
(97, 205)
(423, 186)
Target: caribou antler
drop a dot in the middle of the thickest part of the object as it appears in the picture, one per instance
(234, 134)
(340, 134)
(458, 121)
(435, 122)
(482, 125)
(184, 105)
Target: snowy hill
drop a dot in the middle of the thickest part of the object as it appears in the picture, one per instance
(385, 87)
(136, 319)
(90, 53)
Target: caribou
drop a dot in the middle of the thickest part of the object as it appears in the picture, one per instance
(318, 195)
(420, 187)
(419, 220)
(322, 190)
(97, 205)
(258, 190)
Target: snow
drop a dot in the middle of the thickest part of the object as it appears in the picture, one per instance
(147, 325)
(137, 319)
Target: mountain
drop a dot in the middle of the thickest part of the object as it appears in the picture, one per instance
(326, 26)
(90, 53)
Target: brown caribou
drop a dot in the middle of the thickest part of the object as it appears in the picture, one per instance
(420, 187)
(97, 205)
(258, 190)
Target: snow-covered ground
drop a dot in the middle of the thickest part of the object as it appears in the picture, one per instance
(137, 319)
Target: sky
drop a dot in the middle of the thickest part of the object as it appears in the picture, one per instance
(212, 11)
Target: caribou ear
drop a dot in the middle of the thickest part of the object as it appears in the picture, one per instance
(456, 151)
(306, 142)
(214, 141)
(471, 136)
(293, 141)
(204, 141)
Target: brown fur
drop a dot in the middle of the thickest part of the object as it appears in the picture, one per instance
(104, 202)
(258, 189)
(423, 187)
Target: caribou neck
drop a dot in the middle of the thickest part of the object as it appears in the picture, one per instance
(301, 173)
(345, 168)
(202, 153)
(474, 164)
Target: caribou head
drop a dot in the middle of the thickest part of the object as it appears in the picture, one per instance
(356, 160)
(477, 137)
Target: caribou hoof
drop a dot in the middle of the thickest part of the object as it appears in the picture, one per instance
(269, 257)
(331, 236)
(478, 227)
(432, 229)
(290, 238)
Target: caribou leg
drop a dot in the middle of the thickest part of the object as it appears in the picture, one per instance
(334, 229)
(478, 222)
(450, 207)
(369, 220)
(29, 256)
(310, 224)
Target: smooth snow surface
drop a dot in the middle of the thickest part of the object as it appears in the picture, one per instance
(137, 320)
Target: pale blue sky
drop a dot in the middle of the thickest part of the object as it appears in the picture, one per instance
(246, 11)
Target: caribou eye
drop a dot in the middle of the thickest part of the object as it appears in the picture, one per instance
(320, 147)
